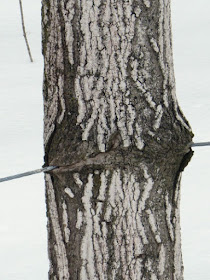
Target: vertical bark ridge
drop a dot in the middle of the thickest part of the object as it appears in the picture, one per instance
(59, 249)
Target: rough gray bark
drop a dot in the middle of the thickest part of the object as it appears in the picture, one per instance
(114, 128)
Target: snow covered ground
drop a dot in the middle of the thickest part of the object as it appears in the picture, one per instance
(23, 237)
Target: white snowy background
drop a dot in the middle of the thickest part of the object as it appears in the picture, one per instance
(23, 236)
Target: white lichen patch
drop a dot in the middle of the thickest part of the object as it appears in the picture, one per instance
(147, 188)
(77, 180)
(168, 218)
(177, 248)
(112, 192)
(61, 99)
(141, 230)
(150, 100)
(177, 191)
(153, 225)
(69, 192)
(103, 187)
(68, 17)
(65, 223)
(134, 72)
(138, 138)
(162, 260)
(137, 11)
(158, 117)
(154, 45)
(153, 276)
(79, 219)
(147, 3)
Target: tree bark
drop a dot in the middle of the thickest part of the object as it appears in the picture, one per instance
(114, 128)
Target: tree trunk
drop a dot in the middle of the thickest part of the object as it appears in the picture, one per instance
(114, 128)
